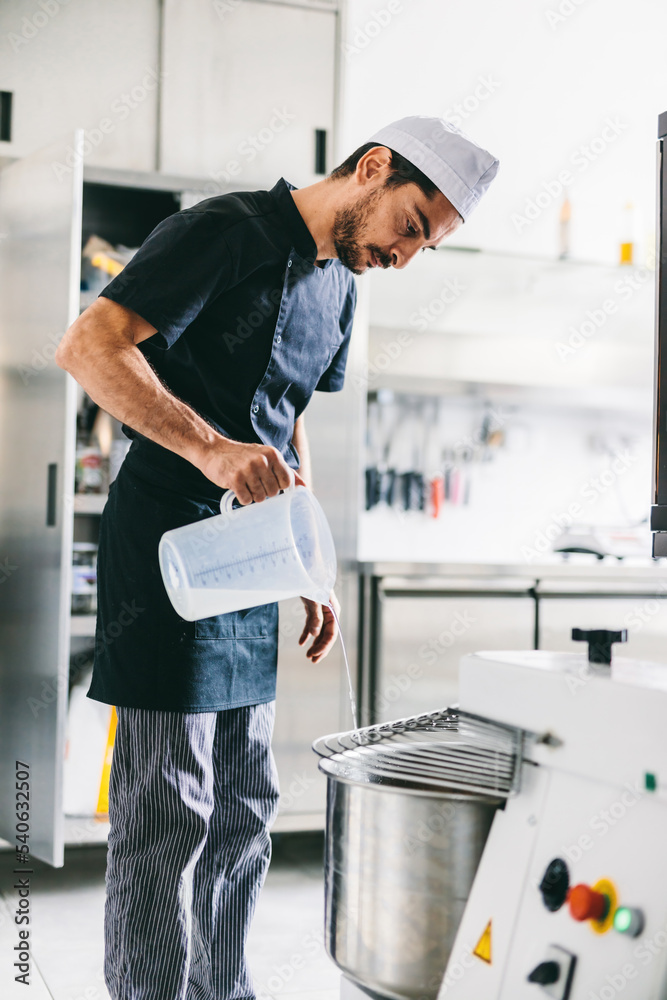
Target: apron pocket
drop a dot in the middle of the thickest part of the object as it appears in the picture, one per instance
(218, 627)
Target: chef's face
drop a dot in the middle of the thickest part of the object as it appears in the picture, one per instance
(385, 226)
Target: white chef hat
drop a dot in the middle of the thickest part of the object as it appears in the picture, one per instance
(458, 167)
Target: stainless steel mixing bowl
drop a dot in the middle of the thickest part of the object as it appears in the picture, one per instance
(399, 868)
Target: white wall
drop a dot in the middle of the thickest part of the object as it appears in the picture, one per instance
(556, 469)
(552, 89)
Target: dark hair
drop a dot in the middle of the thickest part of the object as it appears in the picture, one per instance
(402, 170)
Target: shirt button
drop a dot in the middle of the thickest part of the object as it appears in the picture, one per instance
(289, 263)
(279, 339)
(255, 408)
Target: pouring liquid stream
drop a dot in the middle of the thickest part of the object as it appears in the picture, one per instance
(353, 700)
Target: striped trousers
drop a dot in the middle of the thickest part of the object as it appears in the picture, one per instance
(191, 798)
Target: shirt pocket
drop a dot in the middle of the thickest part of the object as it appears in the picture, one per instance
(251, 623)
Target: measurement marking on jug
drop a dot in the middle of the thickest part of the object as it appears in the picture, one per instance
(257, 557)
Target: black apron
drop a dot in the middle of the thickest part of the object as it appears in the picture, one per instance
(146, 655)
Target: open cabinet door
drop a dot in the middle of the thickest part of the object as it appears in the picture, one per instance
(40, 249)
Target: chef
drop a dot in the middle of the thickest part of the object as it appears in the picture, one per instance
(208, 347)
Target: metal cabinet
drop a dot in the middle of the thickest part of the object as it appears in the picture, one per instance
(40, 222)
(264, 84)
(43, 219)
(44, 214)
(90, 65)
(420, 629)
(230, 90)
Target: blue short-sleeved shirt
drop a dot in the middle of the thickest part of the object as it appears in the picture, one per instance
(248, 326)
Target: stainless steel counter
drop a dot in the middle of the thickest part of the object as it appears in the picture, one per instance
(605, 570)
(418, 619)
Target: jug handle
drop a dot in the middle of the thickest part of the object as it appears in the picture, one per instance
(229, 497)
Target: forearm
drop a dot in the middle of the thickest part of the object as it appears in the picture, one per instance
(115, 374)
(100, 351)
(300, 442)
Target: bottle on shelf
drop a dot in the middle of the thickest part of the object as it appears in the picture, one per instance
(89, 472)
(564, 220)
(627, 244)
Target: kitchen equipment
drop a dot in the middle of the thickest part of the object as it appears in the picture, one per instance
(242, 557)
(600, 541)
(84, 578)
(382, 422)
(373, 471)
(659, 509)
(409, 806)
(435, 484)
(569, 899)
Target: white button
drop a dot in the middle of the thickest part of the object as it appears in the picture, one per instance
(289, 263)
(279, 339)
(255, 409)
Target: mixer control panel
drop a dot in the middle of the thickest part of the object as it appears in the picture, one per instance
(598, 903)
(555, 885)
(589, 904)
(629, 920)
(588, 921)
(586, 911)
(570, 879)
(555, 973)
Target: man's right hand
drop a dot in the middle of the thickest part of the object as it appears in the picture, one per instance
(253, 471)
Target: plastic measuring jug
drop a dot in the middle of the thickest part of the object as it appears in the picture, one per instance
(245, 556)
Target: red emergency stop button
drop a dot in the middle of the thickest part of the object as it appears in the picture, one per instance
(587, 904)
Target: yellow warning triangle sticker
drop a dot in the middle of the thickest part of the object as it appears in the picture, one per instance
(483, 949)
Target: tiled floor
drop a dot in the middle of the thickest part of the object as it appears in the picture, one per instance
(286, 946)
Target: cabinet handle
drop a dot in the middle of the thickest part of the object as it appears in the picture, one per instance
(52, 478)
(320, 151)
(6, 115)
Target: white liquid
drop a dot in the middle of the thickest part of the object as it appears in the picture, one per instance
(353, 700)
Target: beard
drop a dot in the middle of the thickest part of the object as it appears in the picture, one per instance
(349, 231)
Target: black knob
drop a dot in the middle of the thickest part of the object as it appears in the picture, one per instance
(545, 973)
(555, 884)
(599, 641)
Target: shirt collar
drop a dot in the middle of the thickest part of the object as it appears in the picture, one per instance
(300, 234)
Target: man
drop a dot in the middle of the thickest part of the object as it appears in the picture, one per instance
(208, 346)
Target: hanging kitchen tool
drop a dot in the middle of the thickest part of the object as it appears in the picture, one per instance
(433, 466)
(372, 472)
(388, 420)
(380, 476)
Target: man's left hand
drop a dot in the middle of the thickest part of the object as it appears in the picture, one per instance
(321, 624)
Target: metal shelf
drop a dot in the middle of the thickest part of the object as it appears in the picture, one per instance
(89, 503)
(86, 830)
(82, 626)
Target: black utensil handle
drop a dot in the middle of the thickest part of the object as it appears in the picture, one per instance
(52, 479)
(371, 487)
